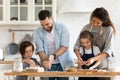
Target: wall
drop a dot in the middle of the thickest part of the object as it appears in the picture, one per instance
(6, 37)
(76, 20)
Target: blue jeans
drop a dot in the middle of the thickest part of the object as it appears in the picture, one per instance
(57, 67)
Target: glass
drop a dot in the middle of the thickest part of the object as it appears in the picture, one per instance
(48, 2)
(75, 61)
(37, 10)
(23, 13)
(14, 13)
(23, 2)
(13, 2)
(1, 2)
(1, 14)
(103, 64)
(38, 2)
(113, 64)
(18, 66)
(49, 9)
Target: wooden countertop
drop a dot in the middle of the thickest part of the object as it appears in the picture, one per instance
(82, 73)
(6, 62)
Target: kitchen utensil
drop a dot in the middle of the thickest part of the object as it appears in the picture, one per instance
(28, 38)
(12, 48)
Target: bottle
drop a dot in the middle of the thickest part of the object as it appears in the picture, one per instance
(18, 65)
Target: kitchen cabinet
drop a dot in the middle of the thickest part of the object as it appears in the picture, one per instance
(24, 11)
(2, 11)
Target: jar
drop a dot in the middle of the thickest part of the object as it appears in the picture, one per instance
(18, 65)
(113, 64)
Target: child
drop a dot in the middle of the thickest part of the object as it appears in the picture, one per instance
(87, 51)
(26, 50)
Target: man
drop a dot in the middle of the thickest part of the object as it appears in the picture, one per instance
(52, 42)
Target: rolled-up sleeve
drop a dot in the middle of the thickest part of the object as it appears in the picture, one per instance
(65, 36)
(109, 43)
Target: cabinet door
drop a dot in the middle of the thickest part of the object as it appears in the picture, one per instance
(2, 12)
(39, 5)
(18, 11)
(24, 11)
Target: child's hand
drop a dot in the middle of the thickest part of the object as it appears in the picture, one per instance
(80, 62)
(29, 61)
(89, 61)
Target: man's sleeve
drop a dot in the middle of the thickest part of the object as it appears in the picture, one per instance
(38, 41)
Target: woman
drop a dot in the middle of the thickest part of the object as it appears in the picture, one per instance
(103, 31)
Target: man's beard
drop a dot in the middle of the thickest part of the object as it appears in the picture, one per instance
(50, 29)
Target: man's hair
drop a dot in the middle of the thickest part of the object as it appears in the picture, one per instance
(43, 14)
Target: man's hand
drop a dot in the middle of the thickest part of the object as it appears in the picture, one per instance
(51, 58)
(47, 64)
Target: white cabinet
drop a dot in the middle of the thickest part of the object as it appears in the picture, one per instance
(41, 5)
(2, 12)
(18, 11)
(24, 11)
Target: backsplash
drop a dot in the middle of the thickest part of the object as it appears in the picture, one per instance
(6, 37)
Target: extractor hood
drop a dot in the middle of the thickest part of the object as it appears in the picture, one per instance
(78, 6)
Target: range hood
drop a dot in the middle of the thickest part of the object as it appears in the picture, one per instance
(78, 6)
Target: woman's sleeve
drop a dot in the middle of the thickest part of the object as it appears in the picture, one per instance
(96, 50)
(109, 42)
(65, 36)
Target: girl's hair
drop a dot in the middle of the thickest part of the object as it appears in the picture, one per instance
(102, 14)
(23, 46)
(87, 35)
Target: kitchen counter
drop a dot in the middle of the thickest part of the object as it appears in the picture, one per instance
(80, 73)
(6, 62)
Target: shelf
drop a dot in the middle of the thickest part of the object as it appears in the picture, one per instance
(6, 62)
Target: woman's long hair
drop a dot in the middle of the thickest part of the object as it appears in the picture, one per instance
(102, 14)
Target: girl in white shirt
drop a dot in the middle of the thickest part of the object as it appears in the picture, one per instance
(87, 51)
